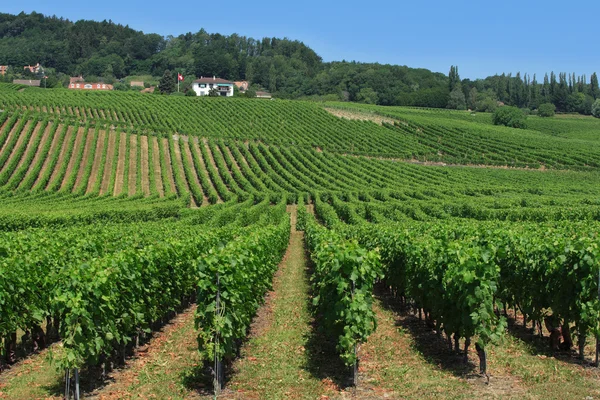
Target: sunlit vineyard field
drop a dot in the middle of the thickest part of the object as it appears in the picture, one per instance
(119, 210)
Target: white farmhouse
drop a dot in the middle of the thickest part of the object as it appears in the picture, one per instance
(203, 85)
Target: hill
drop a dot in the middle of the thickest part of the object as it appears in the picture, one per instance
(159, 226)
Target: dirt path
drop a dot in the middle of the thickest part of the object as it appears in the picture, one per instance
(18, 144)
(188, 156)
(378, 119)
(62, 148)
(120, 165)
(161, 369)
(156, 166)
(167, 159)
(87, 150)
(392, 366)
(38, 153)
(275, 361)
(110, 160)
(133, 149)
(97, 161)
(144, 172)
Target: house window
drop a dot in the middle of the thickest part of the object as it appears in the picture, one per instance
(210, 85)
(203, 85)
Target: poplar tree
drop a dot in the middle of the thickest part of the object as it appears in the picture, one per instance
(594, 89)
(454, 78)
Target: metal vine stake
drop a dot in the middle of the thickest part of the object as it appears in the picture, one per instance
(68, 384)
(218, 367)
(355, 366)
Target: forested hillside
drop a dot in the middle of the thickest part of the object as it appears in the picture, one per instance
(283, 66)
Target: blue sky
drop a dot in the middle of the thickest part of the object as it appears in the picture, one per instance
(482, 38)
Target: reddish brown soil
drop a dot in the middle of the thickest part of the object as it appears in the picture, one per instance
(156, 166)
(167, 159)
(190, 160)
(29, 149)
(87, 150)
(110, 161)
(144, 172)
(120, 165)
(12, 133)
(71, 167)
(179, 167)
(62, 149)
(97, 161)
(196, 149)
(133, 149)
(36, 158)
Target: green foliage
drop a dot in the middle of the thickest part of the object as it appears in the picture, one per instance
(167, 83)
(546, 110)
(367, 96)
(596, 109)
(457, 99)
(510, 116)
(343, 279)
(239, 274)
(190, 93)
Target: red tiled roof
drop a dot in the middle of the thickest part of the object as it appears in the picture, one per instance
(76, 79)
(242, 85)
(213, 79)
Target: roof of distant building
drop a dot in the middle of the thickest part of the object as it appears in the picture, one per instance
(28, 82)
(204, 79)
(243, 85)
(91, 86)
(76, 79)
(136, 83)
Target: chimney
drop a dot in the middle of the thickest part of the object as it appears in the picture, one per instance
(214, 77)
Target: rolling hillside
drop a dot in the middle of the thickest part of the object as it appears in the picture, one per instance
(122, 212)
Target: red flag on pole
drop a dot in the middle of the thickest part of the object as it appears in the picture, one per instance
(179, 77)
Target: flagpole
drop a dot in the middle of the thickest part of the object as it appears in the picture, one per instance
(178, 82)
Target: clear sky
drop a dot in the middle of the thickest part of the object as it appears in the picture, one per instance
(481, 37)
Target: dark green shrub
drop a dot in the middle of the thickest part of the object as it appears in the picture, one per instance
(547, 110)
(512, 117)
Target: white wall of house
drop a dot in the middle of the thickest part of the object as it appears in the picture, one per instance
(202, 89)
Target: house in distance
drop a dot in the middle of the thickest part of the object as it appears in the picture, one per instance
(34, 69)
(204, 85)
(78, 83)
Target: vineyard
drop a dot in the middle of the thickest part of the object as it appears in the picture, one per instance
(122, 212)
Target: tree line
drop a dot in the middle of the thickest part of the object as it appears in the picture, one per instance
(566, 92)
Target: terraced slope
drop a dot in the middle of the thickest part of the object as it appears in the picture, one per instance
(406, 134)
(95, 162)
